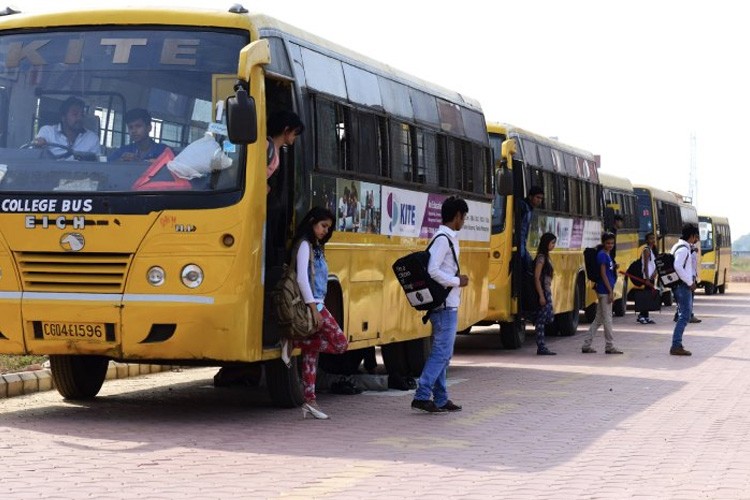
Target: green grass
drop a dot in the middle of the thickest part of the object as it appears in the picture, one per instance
(9, 364)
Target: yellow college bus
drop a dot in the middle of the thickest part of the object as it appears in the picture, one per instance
(571, 210)
(661, 212)
(171, 260)
(716, 253)
(620, 199)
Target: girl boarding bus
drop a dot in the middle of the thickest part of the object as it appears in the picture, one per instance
(571, 210)
(167, 254)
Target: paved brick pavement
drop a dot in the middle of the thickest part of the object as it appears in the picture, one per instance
(641, 425)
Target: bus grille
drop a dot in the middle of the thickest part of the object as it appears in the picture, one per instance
(73, 272)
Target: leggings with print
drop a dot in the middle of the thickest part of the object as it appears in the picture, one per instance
(329, 339)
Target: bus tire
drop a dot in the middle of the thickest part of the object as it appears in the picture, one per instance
(417, 352)
(709, 289)
(513, 333)
(284, 384)
(394, 358)
(619, 307)
(78, 377)
(567, 323)
(589, 313)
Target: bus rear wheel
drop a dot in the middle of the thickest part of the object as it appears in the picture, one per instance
(709, 289)
(567, 323)
(284, 384)
(513, 333)
(78, 377)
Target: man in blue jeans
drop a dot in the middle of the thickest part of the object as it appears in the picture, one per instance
(432, 392)
(684, 265)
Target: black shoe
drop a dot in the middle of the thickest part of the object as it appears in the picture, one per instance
(693, 319)
(346, 387)
(543, 351)
(449, 406)
(426, 405)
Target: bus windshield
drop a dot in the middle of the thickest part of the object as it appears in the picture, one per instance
(645, 217)
(707, 236)
(79, 92)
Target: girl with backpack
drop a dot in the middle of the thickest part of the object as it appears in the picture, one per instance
(543, 273)
(312, 234)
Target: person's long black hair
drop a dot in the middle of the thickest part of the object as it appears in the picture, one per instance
(305, 228)
(543, 249)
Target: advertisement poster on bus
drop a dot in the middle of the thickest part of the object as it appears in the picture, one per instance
(355, 204)
(592, 233)
(416, 214)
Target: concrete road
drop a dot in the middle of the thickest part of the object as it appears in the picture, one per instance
(641, 425)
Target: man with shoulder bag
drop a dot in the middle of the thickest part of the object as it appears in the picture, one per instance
(431, 395)
(684, 266)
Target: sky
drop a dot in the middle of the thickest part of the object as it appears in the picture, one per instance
(630, 81)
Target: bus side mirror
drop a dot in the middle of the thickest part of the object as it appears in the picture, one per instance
(504, 181)
(242, 119)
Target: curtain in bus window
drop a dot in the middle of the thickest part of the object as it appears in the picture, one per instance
(454, 163)
(325, 135)
(550, 191)
(366, 143)
(564, 198)
(427, 166)
(570, 164)
(401, 164)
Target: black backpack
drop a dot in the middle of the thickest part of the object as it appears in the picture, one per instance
(665, 268)
(422, 292)
(592, 267)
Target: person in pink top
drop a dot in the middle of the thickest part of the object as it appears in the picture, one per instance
(283, 128)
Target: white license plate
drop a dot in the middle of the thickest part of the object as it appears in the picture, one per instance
(79, 331)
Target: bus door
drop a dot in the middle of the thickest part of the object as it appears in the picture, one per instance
(279, 205)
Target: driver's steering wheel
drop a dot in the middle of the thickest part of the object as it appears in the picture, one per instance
(67, 151)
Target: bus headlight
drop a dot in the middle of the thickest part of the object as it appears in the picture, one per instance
(192, 276)
(155, 276)
(708, 265)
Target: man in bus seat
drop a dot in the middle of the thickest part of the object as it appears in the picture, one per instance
(142, 146)
(524, 212)
(70, 132)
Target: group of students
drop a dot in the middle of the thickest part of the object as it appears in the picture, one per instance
(685, 257)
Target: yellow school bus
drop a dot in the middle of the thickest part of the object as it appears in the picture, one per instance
(171, 259)
(716, 253)
(619, 199)
(571, 210)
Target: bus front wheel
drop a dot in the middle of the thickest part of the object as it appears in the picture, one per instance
(78, 377)
(709, 289)
(513, 333)
(284, 384)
